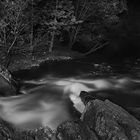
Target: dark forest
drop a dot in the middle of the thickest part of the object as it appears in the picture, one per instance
(69, 70)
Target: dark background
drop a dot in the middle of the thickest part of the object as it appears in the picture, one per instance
(125, 38)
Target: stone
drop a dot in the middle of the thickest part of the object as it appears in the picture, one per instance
(110, 121)
(8, 132)
(86, 97)
(8, 85)
(74, 130)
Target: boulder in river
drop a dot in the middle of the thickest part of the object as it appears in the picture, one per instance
(8, 85)
(110, 121)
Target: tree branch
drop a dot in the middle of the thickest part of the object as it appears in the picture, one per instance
(95, 48)
(77, 7)
(81, 12)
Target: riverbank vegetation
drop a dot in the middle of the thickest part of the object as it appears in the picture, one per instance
(35, 31)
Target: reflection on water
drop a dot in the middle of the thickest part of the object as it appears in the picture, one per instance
(49, 98)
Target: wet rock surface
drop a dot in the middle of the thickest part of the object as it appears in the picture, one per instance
(8, 85)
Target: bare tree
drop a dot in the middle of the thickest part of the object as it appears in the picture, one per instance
(12, 23)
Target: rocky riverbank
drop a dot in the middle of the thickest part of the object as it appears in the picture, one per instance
(8, 85)
(101, 120)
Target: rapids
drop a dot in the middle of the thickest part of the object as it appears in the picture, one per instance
(49, 99)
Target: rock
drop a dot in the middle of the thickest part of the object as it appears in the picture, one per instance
(125, 97)
(86, 97)
(8, 132)
(43, 133)
(74, 130)
(110, 122)
(8, 85)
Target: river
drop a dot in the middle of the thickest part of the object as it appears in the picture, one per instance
(50, 93)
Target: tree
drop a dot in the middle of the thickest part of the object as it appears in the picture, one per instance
(33, 19)
(73, 16)
(62, 16)
(96, 14)
(12, 23)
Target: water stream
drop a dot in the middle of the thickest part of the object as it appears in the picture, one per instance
(50, 93)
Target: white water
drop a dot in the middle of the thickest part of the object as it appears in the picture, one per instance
(50, 101)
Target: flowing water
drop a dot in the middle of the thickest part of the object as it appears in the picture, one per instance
(50, 93)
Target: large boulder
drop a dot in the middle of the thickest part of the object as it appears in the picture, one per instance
(110, 121)
(74, 130)
(8, 85)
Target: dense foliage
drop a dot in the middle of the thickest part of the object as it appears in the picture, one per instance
(29, 26)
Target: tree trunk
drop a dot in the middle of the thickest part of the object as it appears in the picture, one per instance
(70, 43)
(52, 41)
(71, 35)
(31, 35)
(95, 48)
(31, 46)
